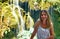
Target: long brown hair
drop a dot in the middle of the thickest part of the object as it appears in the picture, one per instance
(48, 21)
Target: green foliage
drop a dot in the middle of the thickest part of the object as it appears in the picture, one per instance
(56, 15)
(0, 0)
(9, 35)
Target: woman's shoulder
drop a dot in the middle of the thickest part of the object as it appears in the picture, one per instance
(37, 23)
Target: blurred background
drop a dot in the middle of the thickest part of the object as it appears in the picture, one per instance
(17, 17)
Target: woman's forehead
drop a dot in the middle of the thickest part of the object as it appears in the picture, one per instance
(43, 12)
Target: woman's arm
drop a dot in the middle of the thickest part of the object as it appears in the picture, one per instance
(35, 30)
(51, 32)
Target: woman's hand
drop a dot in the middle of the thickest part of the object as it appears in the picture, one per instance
(31, 38)
(51, 37)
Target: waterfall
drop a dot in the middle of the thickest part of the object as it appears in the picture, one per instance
(21, 21)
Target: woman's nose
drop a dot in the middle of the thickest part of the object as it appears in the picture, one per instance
(43, 15)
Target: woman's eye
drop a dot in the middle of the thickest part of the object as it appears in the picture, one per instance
(41, 15)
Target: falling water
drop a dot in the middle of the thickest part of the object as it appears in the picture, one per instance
(14, 14)
(15, 2)
(21, 22)
(23, 32)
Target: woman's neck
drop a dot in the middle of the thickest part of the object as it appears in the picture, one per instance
(44, 22)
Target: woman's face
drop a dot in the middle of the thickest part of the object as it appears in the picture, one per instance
(44, 16)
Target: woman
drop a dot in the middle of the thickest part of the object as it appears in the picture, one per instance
(43, 27)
